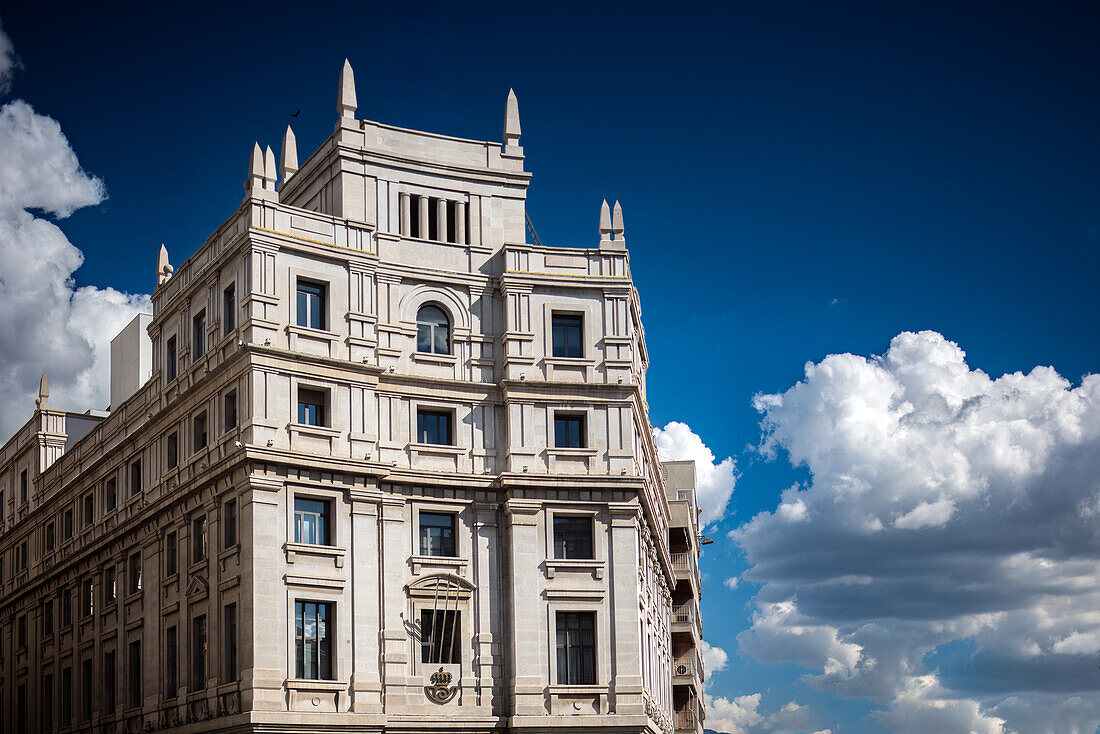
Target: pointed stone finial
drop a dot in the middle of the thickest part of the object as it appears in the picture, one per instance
(289, 155)
(255, 169)
(345, 102)
(605, 223)
(270, 174)
(617, 223)
(511, 126)
(43, 393)
(164, 268)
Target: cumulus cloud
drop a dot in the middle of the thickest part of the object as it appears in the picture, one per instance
(714, 480)
(8, 62)
(945, 558)
(714, 658)
(49, 325)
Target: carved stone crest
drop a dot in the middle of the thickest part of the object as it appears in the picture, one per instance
(441, 690)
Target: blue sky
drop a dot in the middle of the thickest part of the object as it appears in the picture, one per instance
(797, 179)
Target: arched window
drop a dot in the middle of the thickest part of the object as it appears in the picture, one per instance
(433, 330)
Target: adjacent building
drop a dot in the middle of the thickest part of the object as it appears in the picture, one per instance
(374, 463)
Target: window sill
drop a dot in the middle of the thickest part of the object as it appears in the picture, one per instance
(320, 431)
(299, 684)
(437, 448)
(456, 562)
(570, 361)
(595, 566)
(559, 689)
(308, 549)
(432, 358)
(564, 451)
(306, 331)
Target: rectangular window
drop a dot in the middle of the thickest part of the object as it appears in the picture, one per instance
(66, 608)
(171, 565)
(231, 411)
(170, 360)
(67, 525)
(172, 449)
(89, 510)
(229, 309)
(24, 486)
(311, 407)
(171, 662)
(21, 556)
(21, 631)
(135, 478)
(200, 431)
(66, 696)
(572, 537)
(87, 598)
(198, 653)
(111, 491)
(86, 690)
(440, 632)
(569, 431)
(198, 335)
(311, 304)
(49, 540)
(110, 586)
(312, 644)
(109, 683)
(311, 521)
(198, 539)
(135, 573)
(47, 702)
(134, 670)
(229, 647)
(434, 426)
(47, 617)
(437, 534)
(567, 330)
(576, 648)
(229, 524)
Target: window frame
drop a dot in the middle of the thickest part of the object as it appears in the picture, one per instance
(311, 289)
(229, 411)
(229, 309)
(569, 419)
(171, 359)
(172, 450)
(321, 408)
(200, 544)
(325, 523)
(229, 524)
(426, 551)
(424, 412)
(300, 618)
(135, 477)
(198, 335)
(432, 329)
(200, 428)
(562, 555)
(579, 679)
(562, 350)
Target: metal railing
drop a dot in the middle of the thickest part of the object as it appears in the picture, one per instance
(687, 718)
(684, 614)
(688, 665)
(683, 562)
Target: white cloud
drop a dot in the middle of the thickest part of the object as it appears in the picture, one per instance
(677, 442)
(732, 582)
(742, 715)
(8, 62)
(945, 559)
(48, 324)
(714, 658)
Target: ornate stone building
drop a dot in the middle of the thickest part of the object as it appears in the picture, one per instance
(374, 463)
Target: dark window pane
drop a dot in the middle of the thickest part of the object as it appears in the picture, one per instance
(229, 309)
(440, 632)
(569, 432)
(572, 537)
(311, 521)
(437, 534)
(576, 648)
(313, 648)
(433, 330)
(566, 333)
(433, 427)
(311, 407)
(311, 305)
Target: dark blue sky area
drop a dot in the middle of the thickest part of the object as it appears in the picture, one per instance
(797, 179)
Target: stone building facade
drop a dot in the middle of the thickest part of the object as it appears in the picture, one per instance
(374, 463)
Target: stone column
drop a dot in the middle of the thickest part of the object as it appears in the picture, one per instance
(366, 681)
(391, 593)
(626, 665)
(460, 223)
(423, 215)
(441, 220)
(406, 213)
(528, 639)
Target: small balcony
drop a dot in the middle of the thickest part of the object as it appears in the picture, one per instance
(686, 621)
(687, 670)
(687, 718)
(686, 568)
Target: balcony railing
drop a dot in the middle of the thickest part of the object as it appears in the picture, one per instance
(684, 614)
(683, 562)
(687, 718)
